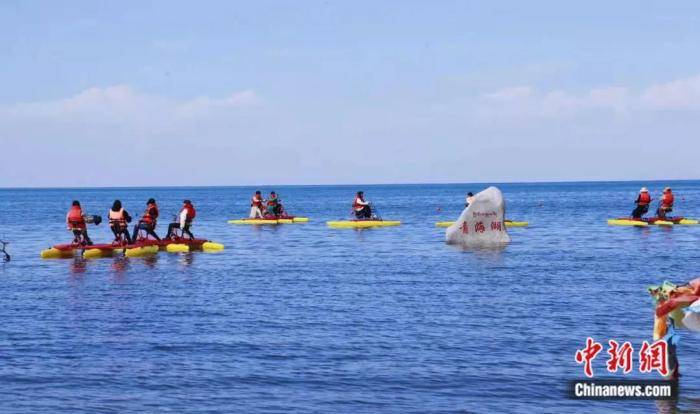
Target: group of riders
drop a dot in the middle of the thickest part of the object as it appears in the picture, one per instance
(644, 201)
(266, 209)
(272, 208)
(119, 220)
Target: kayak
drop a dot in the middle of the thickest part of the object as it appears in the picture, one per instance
(508, 223)
(138, 249)
(270, 221)
(654, 221)
(361, 224)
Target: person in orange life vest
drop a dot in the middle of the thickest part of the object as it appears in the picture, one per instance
(148, 221)
(361, 207)
(187, 214)
(274, 205)
(75, 219)
(643, 200)
(256, 205)
(666, 203)
(118, 219)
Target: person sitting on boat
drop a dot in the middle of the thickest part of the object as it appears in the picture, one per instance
(643, 201)
(148, 221)
(118, 219)
(75, 219)
(256, 205)
(274, 205)
(666, 203)
(362, 208)
(187, 214)
(470, 197)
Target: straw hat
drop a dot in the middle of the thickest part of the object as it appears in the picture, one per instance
(667, 189)
(644, 190)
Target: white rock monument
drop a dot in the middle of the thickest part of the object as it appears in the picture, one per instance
(482, 223)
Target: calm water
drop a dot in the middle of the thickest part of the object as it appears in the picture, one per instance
(309, 319)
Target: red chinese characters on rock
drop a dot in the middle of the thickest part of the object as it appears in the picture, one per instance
(479, 227)
(496, 226)
(465, 228)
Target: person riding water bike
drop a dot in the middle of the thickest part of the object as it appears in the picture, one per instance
(256, 205)
(361, 208)
(75, 220)
(274, 205)
(187, 214)
(118, 219)
(148, 221)
(643, 200)
(666, 203)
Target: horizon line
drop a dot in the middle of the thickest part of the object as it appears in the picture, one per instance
(343, 185)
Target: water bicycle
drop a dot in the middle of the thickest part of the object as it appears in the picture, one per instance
(375, 220)
(141, 247)
(270, 220)
(652, 221)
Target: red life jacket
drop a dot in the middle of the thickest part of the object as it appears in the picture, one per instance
(256, 202)
(272, 201)
(667, 200)
(75, 217)
(356, 205)
(191, 212)
(644, 199)
(149, 218)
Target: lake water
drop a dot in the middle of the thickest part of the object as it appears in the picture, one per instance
(303, 318)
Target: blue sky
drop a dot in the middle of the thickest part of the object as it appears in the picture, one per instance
(281, 92)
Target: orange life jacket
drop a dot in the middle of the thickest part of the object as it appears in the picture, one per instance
(667, 200)
(75, 217)
(256, 201)
(272, 201)
(149, 218)
(644, 199)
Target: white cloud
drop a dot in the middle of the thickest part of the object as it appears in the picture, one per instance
(121, 103)
(223, 139)
(520, 102)
(681, 94)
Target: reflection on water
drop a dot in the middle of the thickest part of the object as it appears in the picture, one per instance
(668, 406)
(120, 264)
(489, 253)
(151, 260)
(78, 265)
(186, 259)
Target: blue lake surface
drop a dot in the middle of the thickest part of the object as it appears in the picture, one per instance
(303, 318)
